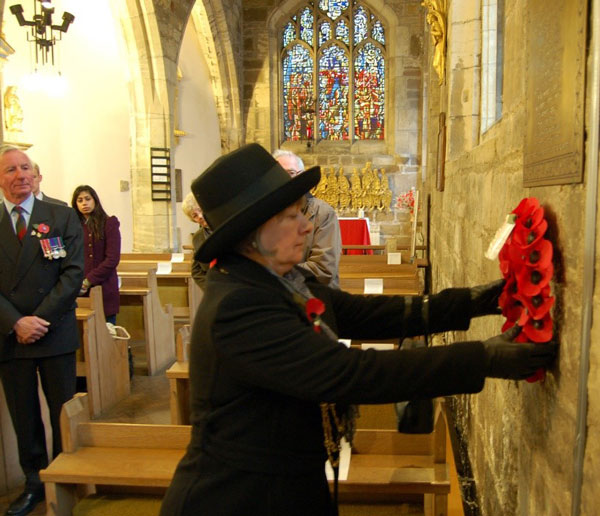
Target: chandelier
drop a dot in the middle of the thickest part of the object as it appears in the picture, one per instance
(43, 33)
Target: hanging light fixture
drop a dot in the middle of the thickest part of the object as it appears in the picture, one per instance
(43, 33)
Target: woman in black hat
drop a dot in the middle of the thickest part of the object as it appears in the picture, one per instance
(272, 388)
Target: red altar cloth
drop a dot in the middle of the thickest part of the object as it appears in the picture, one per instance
(355, 232)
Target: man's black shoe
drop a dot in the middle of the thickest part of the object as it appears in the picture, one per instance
(25, 503)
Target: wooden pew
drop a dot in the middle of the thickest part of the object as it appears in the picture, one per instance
(86, 365)
(391, 286)
(179, 380)
(399, 279)
(351, 259)
(158, 322)
(109, 454)
(377, 270)
(105, 358)
(385, 466)
(153, 257)
(175, 287)
(348, 259)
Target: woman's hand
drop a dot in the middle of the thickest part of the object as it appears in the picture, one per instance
(85, 286)
(516, 360)
(484, 298)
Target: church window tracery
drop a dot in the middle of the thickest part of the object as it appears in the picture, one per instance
(333, 72)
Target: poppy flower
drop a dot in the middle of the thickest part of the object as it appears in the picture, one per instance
(505, 259)
(512, 310)
(538, 330)
(538, 376)
(529, 213)
(539, 255)
(314, 308)
(539, 305)
(530, 282)
(43, 228)
(525, 237)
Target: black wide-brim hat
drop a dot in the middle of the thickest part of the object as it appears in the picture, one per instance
(242, 190)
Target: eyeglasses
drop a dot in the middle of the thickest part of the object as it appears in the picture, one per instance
(293, 172)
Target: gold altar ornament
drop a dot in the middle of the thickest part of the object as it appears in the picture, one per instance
(355, 193)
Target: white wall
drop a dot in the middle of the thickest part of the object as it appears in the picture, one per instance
(197, 114)
(81, 136)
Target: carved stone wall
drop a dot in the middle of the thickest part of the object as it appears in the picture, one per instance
(520, 437)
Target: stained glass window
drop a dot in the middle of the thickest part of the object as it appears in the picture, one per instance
(342, 32)
(333, 8)
(377, 32)
(306, 26)
(324, 33)
(298, 93)
(369, 93)
(289, 34)
(360, 25)
(333, 94)
(333, 85)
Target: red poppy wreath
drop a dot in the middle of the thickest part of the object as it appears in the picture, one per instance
(526, 264)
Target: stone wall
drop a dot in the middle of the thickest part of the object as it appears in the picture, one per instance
(519, 436)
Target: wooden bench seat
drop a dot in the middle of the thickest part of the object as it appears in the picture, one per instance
(155, 257)
(158, 322)
(384, 464)
(391, 286)
(175, 287)
(99, 454)
(103, 360)
(350, 259)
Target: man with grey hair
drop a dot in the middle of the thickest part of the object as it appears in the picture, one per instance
(194, 213)
(41, 258)
(324, 244)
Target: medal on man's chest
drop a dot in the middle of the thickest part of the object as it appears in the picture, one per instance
(53, 248)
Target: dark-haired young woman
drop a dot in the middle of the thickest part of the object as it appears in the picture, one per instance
(102, 248)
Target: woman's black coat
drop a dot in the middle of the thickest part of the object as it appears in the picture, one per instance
(258, 372)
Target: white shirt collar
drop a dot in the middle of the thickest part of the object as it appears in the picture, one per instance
(27, 204)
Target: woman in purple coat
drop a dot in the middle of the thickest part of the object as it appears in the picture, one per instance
(102, 248)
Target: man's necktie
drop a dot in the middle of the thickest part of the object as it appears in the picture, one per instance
(20, 226)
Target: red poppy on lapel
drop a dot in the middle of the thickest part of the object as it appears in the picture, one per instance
(43, 228)
(314, 308)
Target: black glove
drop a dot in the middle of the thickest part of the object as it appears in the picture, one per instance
(516, 360)
(484, 298)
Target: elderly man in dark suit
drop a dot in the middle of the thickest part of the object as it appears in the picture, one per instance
(41, 270)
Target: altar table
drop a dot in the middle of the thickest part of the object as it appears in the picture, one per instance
(355, 231)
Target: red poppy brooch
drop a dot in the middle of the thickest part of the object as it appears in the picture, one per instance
(40, 229)
(314, 309)
(526, 264)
